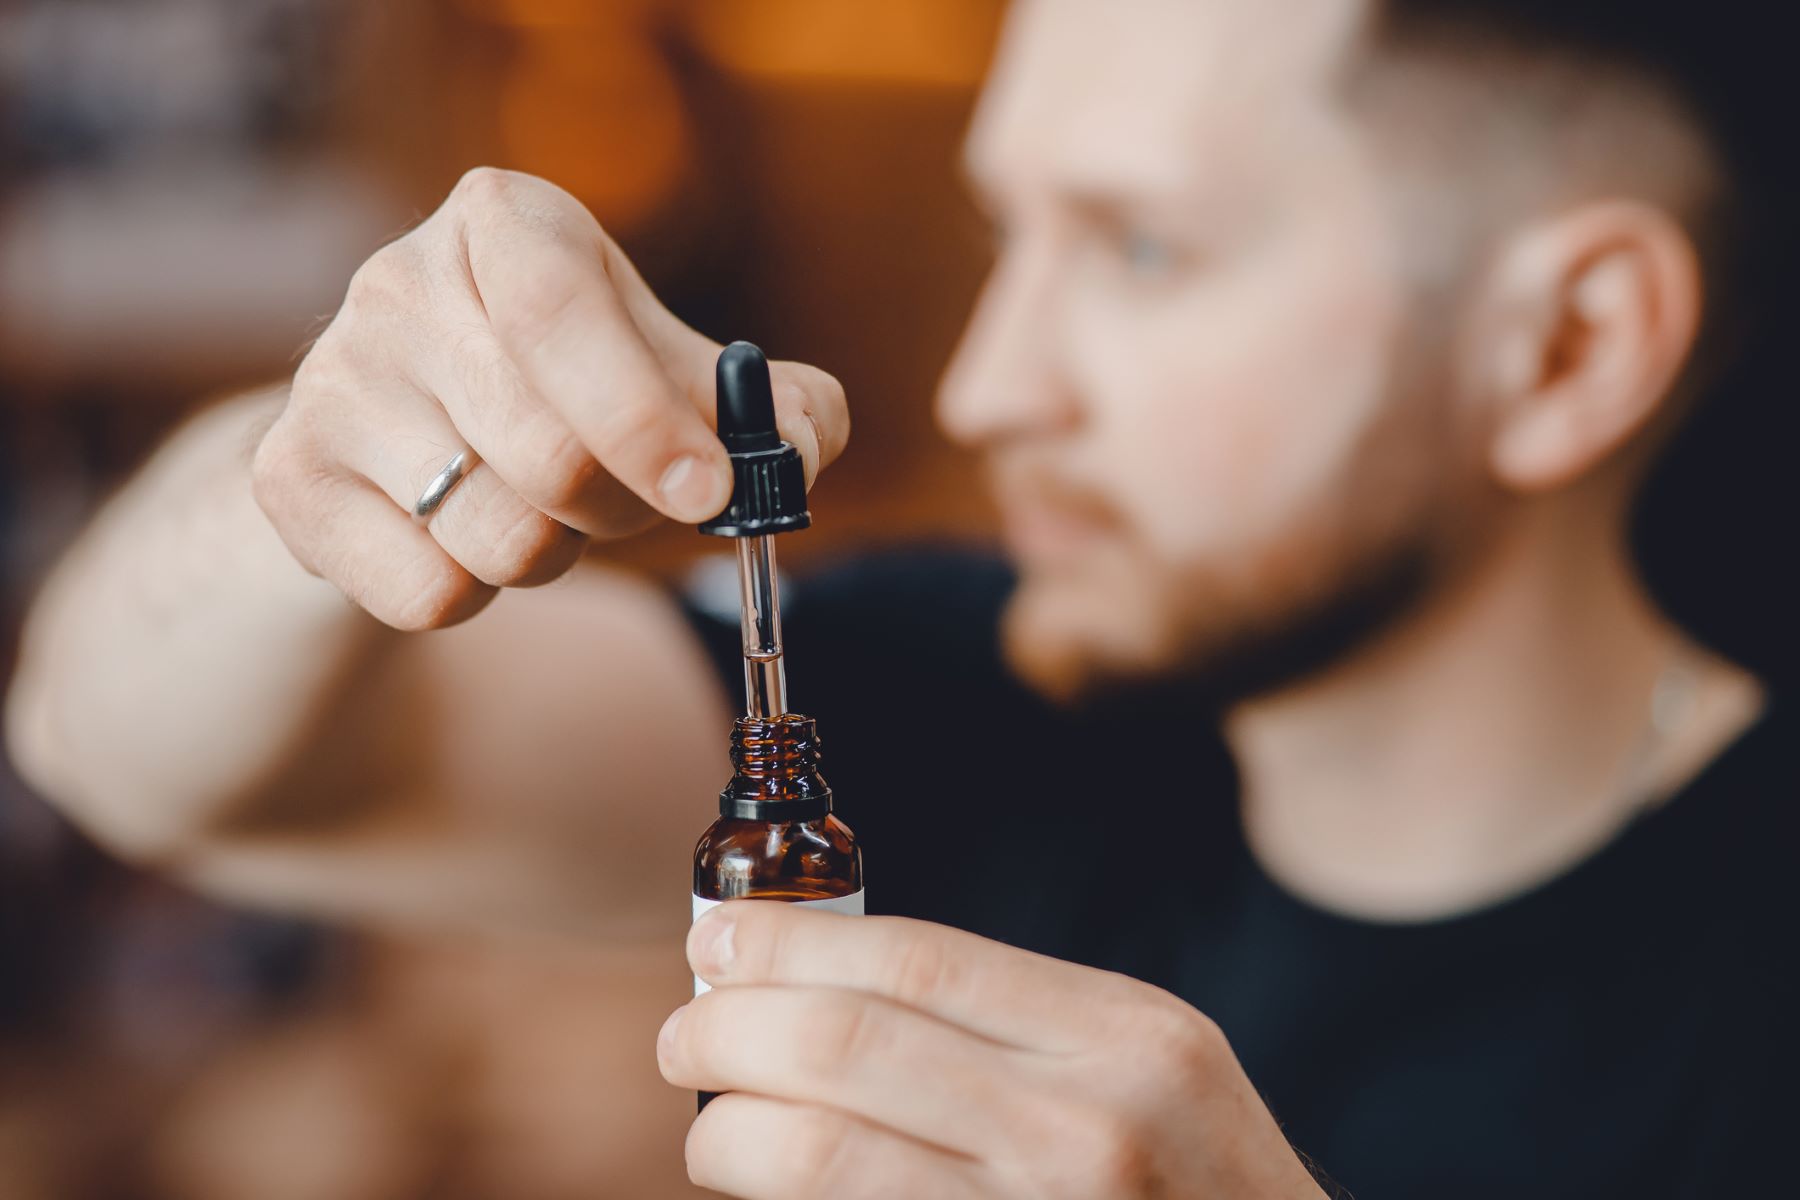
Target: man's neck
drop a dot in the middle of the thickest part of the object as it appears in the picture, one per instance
(1494, 738)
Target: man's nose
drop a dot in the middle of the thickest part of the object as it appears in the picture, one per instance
(1005, 379)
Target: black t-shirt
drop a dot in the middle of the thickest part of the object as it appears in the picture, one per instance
(1626, 1029)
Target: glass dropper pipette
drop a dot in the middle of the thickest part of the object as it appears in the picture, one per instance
(768, 497)
(765, 677)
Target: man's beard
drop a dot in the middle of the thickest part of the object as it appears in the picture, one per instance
(1219, 647)
(1362, 555)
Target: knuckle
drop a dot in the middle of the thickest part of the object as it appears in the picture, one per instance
(1083, 1152)
(819, 1155)
(319, 372)
(1169, 1052)
(1035, 1120)
(442, 597)
(524, 542)
(843, 1030)
(485, 188)
(490, 381)
(1183, 1044)
(269, 463)
(530, 208)
(924, 968)
(293, 486)
(280, 469)
(563, 469)
(638, 426)
(352, 358)
(374, 279)
(388, 284)
(1114, 1159)
(531, 314)
(511, 204)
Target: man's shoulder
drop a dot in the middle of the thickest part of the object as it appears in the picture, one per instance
(1744, 811)
(1762, 770)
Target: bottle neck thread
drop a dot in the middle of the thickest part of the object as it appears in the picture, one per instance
(776, 770)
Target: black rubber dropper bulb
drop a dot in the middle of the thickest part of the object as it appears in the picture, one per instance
(768, 493)
(745, 399)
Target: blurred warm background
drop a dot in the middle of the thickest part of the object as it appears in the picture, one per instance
(185, 187)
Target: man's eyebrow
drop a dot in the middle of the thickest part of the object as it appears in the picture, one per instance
(1102, 200)
(1103, 206)
(1113, 206)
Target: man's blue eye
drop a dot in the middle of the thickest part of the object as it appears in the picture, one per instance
(1146, 254)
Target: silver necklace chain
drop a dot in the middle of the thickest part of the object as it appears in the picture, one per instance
(1673, 699)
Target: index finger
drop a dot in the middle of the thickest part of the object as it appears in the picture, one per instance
(809, 404)
(1001, 992)
(539, 265)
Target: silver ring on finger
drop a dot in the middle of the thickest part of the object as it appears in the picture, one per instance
(441, 485)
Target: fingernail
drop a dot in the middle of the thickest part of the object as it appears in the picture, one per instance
(665, 1037)
(713, 940)
(818, 448)
(689, 489)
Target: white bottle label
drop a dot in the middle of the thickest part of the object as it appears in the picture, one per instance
(851, 904)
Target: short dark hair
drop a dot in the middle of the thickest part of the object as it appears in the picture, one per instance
(1712, 529)
(1709, 62)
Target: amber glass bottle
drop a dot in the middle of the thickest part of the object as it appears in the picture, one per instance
(775, 838)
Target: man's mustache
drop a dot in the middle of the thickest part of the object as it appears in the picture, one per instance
(1042, 487)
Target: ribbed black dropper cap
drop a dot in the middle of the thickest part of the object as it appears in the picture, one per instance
(768, 493)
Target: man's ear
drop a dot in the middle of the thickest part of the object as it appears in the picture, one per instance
(1588, 319)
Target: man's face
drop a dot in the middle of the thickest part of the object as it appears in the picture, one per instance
(1201, 373)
